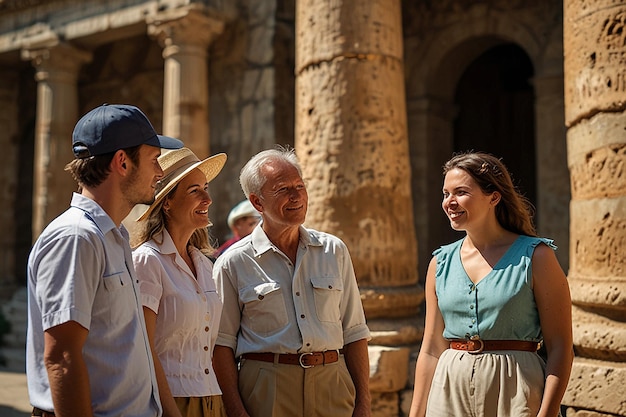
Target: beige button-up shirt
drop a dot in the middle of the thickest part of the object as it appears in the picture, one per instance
(272, 305)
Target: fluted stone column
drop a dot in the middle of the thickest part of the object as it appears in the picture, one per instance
(595, 109)
(351, 137)
(185, 35)
(57, 65)
(8, 172)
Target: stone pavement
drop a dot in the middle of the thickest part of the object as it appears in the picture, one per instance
(13, 394)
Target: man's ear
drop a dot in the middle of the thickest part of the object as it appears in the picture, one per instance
(120, 163)
(257, 203)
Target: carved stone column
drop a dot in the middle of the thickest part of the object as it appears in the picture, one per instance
(57, 65)
(351, 137)
(595, 114)
(185, 35)
(8, 172)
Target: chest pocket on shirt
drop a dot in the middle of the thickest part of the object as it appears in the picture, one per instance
(328, 292)
(266, 307)
(118, 304)
(116, 281)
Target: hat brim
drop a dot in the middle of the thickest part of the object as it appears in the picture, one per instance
(210, 167)
(165, 142)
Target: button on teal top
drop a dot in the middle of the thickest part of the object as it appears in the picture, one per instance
(501, 306)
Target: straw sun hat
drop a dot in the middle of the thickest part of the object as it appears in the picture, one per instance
(176, 165)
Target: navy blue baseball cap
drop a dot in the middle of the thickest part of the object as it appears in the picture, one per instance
(112, 127)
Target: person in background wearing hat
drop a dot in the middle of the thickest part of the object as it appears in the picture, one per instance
(87, 350)
(181, 306)
(292, 310)
(242, 220)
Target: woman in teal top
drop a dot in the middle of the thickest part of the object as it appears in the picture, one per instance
(491, 299)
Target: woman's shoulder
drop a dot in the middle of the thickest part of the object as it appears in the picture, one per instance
(449, 248)
(532, 242)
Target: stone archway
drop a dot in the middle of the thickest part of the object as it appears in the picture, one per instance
(434, 67)
(495, 112)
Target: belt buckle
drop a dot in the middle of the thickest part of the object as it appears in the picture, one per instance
(300, 360)
(480, 348)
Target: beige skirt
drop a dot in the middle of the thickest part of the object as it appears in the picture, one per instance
(489, 384)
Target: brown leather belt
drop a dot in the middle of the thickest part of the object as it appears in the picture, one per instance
(479, 345)
(305, 360)
(38, 412)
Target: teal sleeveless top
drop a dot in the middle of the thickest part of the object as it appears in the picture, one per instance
(501, 306)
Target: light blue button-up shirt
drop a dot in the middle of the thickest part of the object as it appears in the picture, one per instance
(501, 306)
(81, 269)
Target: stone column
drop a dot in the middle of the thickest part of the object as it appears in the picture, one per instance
(553, 195)
(57, 65)
(351, 137)
(595, 115)
(8, 172)
(185, 35)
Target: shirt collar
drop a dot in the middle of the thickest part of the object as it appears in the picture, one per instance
(166, 247)
(262, 244)
(96, 214)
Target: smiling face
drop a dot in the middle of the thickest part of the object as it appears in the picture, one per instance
(187, 206)
(284, 199)
(464, 202)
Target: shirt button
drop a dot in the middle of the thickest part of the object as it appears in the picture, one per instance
(206, 348)
(261, 297)
(473, 320)
(297, 293)
(308, 344)
(330, 287)
(206, 329)
(206, 371)
(302, 316)
(471, 306)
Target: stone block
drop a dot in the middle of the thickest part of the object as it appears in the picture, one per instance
(388, 368)
(595, 57)
(598, 386)
(384, 404)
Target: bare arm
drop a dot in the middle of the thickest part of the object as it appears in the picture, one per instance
(228, 378)
(67, 372)
(433, 345)
(358, 364)
(555, 313)
(170, 409)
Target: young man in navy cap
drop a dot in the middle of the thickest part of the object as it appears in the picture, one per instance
(87, 350)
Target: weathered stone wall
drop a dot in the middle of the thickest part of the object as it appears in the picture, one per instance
(595, 102)
(244, 65)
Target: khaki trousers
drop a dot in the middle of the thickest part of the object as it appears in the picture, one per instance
(490, 384)
(201, 406)
(278, 390)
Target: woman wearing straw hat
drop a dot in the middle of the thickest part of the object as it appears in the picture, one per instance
(181, 306)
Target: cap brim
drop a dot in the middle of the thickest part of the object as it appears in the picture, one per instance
(167, 142)
(210, 166)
